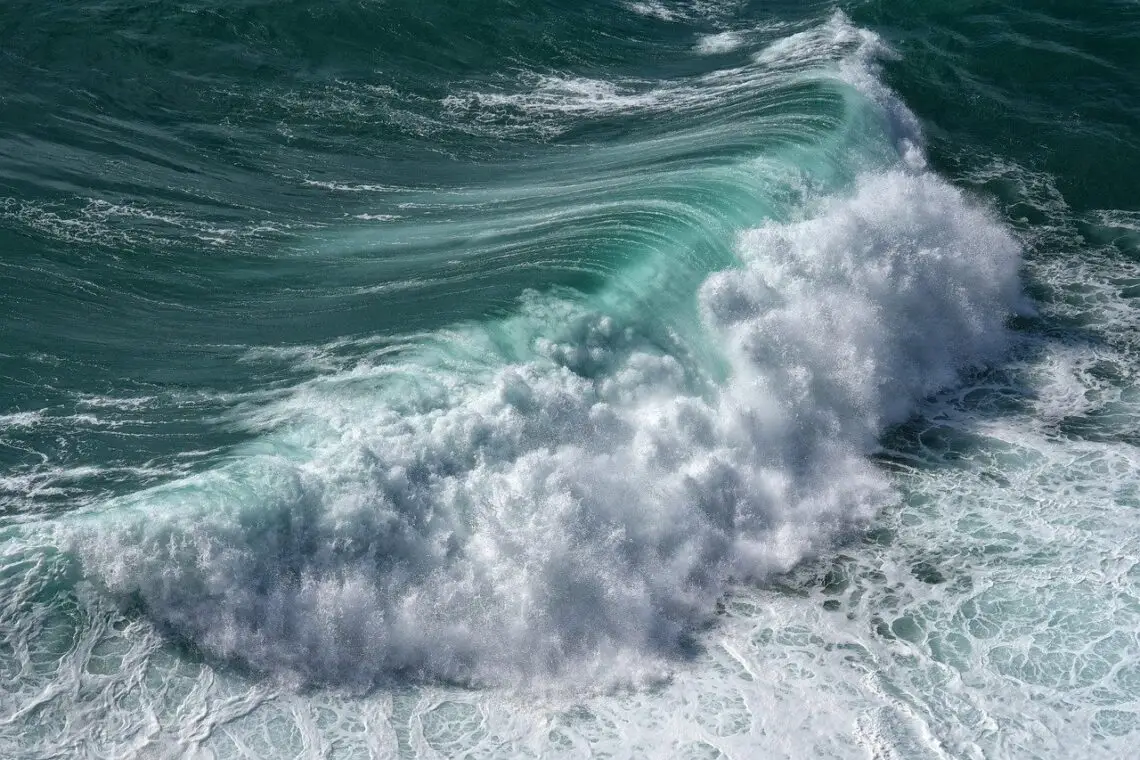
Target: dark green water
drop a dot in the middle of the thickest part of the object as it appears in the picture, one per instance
(638, 379)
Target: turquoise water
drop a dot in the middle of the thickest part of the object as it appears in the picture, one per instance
(629, 379)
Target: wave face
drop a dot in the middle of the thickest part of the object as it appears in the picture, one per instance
(554, 379)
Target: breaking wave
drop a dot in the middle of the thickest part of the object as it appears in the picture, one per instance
(580, 507)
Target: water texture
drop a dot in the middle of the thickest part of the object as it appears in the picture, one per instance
(630, 379)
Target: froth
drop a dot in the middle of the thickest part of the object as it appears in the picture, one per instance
(722, 42)
(577, 504)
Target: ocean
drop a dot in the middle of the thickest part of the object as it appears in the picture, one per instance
(534, 378)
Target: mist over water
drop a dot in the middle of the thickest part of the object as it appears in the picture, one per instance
(434, 380)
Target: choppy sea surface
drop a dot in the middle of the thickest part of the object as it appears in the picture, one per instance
(535, 378)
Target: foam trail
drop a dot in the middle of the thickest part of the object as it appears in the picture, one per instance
(722, 42)
(578, 504)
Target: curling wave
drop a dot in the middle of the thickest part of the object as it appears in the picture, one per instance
(582, 507)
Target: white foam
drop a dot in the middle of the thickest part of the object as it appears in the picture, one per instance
(722, 42)
(655, 9)
(124, 225)
(1118, 218)
(115, 402)
(550, 104)
(681, 10)
(22, 488)
(562, 95)
(20, 419)
(353, 187)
